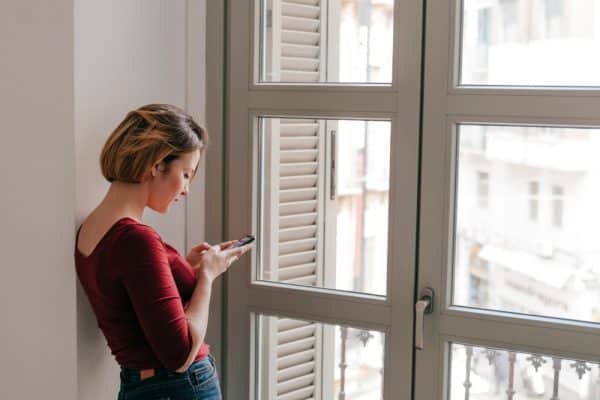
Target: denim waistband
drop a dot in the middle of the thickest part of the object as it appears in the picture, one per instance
(132, 375)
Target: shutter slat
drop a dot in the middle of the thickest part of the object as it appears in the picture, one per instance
(299, 207)
(309, 2)
(297, 182)
(293, 129)
(286, 196)
(289, 260)
(283, 324)
(295, 371)
(300, 24)
(298, 76)
(296, 334)
(296, 122)
(290, 221)
(299, 50)
(297, 246)
(310, 280)
(295, 358)
(299, 143)
(294, 156)
(299, 64)
(292, 385)
(301, 232)
(297, 271)
(300, 37)
(295, 169)
(296, 346)
(300, 394)
(300, 10)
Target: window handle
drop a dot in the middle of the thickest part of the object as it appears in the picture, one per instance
(422, 307)
(332, 176)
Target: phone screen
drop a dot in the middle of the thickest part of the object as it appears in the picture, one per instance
(244, 241)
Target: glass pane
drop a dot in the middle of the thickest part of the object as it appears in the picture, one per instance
(318, 41)
(299, 359)
(478, 373)
(526, 220)
(530, 43)
(323, 203)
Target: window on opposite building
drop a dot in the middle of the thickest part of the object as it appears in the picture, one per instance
(557, 206)
(534, 190)
(483, 189)
(555, 18)
(510, 20)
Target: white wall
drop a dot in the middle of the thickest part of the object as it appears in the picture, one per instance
(71, 69)
(37, 288)
(127, 53)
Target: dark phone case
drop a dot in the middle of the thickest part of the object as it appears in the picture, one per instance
(244, 241)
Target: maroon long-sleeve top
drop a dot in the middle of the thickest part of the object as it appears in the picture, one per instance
(138, 286)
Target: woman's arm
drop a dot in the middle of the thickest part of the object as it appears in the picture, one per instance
(213, 263)
(197, 318)
(147, 278)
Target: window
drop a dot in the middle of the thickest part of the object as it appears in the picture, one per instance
(526, 261)
(555, 18)
(530, 43)
(306, 359)
(315, 162)
(483, 189)
(492, 282)
(316, 41)
(557, 206)
(534, 190)
(510, 20)
(484, 26)
(324, 202)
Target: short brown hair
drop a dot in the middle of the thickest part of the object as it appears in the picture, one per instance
(149, 134)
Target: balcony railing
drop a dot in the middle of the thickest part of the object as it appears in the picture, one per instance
(495, 374)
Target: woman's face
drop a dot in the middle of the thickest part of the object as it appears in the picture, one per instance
(167, 185)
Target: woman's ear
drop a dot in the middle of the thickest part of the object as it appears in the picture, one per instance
(158, 167)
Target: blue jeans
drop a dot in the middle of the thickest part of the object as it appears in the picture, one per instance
(200, 381)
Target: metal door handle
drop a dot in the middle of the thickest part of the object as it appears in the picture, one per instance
(332, 173)
(422, 307)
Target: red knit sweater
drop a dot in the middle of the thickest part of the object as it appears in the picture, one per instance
(137, 286)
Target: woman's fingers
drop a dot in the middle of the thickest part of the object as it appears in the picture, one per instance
(201, 247)
(226, 245)
(237, 252)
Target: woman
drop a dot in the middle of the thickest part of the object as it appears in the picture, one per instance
(150, 302)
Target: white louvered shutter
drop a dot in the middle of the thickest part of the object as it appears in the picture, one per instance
(300, 206)
(294, 219)
(300, 351)
(294, 46)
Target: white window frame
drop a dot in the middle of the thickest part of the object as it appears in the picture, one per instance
(447, 104)
(398, 102)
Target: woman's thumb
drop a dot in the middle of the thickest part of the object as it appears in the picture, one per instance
(202, 246)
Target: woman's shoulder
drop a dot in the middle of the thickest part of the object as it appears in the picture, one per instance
(131, 229)
(133, 237)
(95, 232)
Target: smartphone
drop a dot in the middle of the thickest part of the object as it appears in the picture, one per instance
(244, 241)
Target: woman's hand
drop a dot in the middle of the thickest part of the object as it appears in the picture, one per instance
(216, 260)
(195, 256)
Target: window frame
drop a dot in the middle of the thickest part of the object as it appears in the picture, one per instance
(399, 103)
(447, 105)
